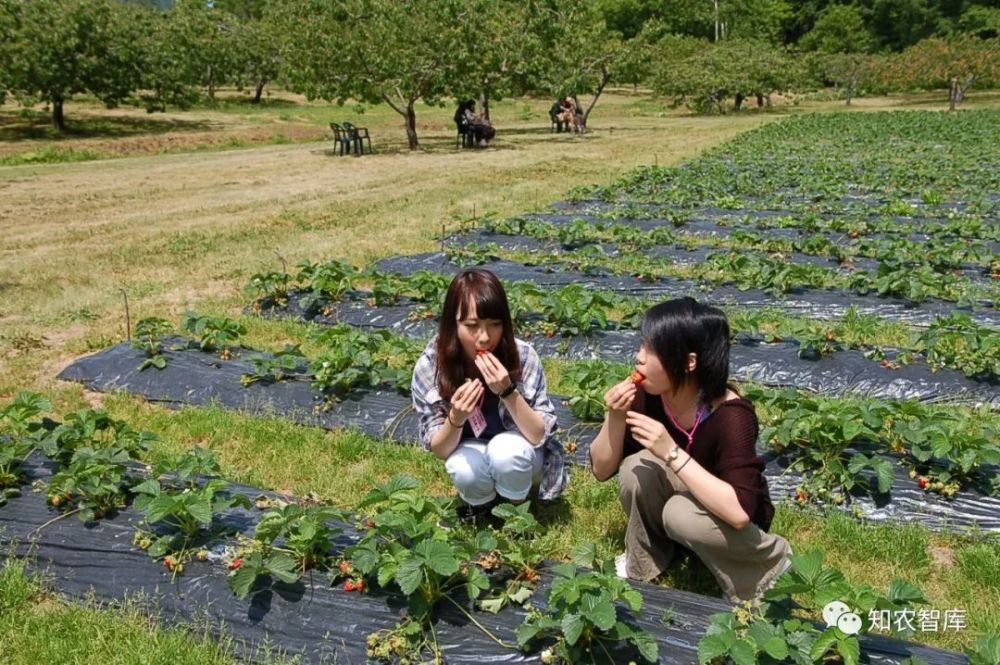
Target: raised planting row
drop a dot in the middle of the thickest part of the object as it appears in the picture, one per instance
(398, 567)
(335, 291)
(836, 452)
(837, 162)
(974, 260)
(591, 269)
(747, 268)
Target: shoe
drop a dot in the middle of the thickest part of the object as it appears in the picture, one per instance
(469, 514)
(785, 564)
(621, 565)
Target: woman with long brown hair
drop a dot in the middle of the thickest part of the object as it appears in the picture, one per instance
(482, 400)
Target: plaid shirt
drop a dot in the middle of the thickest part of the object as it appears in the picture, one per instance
(433, 410)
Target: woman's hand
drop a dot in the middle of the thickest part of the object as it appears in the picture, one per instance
(650, 433)
(496, 375)
(620, 396)
(465, 400)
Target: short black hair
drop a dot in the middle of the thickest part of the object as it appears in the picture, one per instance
(678, 327)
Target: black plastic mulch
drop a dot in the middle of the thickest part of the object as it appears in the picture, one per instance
(311, 619)
(817, 303)
(684, 255)
(775, 364)
(193, 377)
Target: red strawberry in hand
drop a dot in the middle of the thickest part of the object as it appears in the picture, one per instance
(637, 377)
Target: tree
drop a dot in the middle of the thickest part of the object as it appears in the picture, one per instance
(839, 29)
(493, 53)
(576, 53)
(9, 18)
(60, 48)
(850, 72)
(957, 63)
(705, 75)
(375, 51)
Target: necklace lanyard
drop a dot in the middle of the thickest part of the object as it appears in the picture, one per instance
(699, 417)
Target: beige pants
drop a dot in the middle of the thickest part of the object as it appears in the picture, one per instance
(662, 513)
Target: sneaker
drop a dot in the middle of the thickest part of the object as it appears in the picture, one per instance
(785, 564)
(621, 565)
(469, 514)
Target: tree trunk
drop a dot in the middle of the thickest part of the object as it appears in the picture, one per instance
(211, 83)
(484, 102)
(850, 90)
(258, 91)
(605, 77)
(411, 126)
(760, 100)
(953, 95)
(738, 102)
(58, 120)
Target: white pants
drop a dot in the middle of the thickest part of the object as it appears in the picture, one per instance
(506, 465)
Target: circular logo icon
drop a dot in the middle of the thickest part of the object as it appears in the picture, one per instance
(833, 611)
(850, 623)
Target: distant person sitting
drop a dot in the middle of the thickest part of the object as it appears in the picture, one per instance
(478, 126)
(572, 115)
(555, 114)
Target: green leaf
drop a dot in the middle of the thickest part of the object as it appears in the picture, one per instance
(850, 429)
(572, 627)
(743, 652)
(439, 557)
(600, 611)
(525, 633)
(761, 631)
(150, 486)
(823, 643)
(776, 648)
(584, 554)
(159, 508)
(410, 575)
(282, 567)
(522, 594)
(201, 510)
(485, 541)
(884, 475)
(647, 646)
(850, 649)
(493, 605)
(633, 598)
(715, 645)
(902, 592)
(242, 581)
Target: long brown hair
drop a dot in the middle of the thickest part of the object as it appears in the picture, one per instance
(483, 288)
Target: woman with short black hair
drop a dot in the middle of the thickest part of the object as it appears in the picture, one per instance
(482, 400)
(684, 449)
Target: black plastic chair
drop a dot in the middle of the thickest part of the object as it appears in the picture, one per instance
(558, 125)
(342, 138)
(466, 138)
(359, 135)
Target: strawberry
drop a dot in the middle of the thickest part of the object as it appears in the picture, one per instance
(345, 567)
(168, 562)
(482, 352)
(923, 482)
(349, 585)
(637, 377)
(235, 565)
(202, 555)
(359, 585)
(55, 500)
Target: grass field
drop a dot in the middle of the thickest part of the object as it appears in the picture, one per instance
(178, 210)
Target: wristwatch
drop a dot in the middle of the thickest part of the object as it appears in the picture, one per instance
(506, 392)
(672, 455)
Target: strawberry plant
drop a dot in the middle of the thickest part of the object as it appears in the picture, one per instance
(215, 333)
(354, 359)
(985, 651)
(287, 542)
(514, 553)
(274, 368)
(325, 282)
(92, 428)
(575, 310)
(409, 546)
(590, 380)
(956, 341)
(148, 335)
(21, 435)
(186, 514)
(269, 288)
(582, 615)
(775, 632)
(95, 481)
